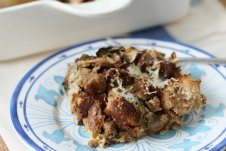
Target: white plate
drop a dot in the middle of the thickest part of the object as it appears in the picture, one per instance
(41, 115)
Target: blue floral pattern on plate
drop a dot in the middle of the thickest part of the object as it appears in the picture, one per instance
(41, 113)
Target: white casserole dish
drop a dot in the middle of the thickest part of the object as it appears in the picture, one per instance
(47, 25)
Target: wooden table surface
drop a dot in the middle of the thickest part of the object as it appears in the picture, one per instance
(3, 147)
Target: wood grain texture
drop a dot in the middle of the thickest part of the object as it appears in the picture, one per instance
(3, 146)
(223, 2)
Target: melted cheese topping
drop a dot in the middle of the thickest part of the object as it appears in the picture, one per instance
(155, 63)
(132, 54)
(133, 69)
(154, 75)
(154, 78)
(123, 92)
(131, 98)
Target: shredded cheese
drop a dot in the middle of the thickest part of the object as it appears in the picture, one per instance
(123, 92)
(154, 78)
(133, 69)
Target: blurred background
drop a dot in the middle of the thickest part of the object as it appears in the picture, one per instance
(30, 30)
(30, 27)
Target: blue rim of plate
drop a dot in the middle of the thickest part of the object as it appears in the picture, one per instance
(13, 104)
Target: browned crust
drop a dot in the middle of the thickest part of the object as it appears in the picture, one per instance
(123, 94)
(124, 113)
